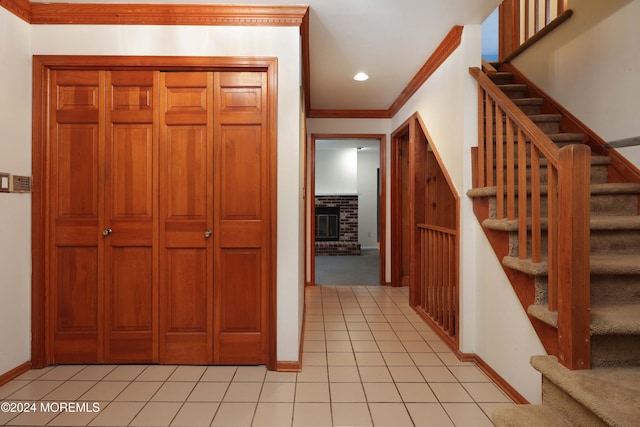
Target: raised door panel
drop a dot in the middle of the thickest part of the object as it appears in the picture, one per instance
(186, 157)
(75, 191)
(241, 218)
(130, 204)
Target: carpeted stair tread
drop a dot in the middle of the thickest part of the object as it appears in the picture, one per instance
(612, 394)
(621, 319)
(527, 101)
(566, 137)
(617, 264)
(605, 320)
(545, 118)
(605, 222)
(607, 188)
(512, 87)
(539, 118)
(600, 222)
(527, 416)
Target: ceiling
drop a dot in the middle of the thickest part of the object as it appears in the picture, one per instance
(390, 40)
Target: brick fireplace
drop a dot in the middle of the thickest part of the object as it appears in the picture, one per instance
(345, 207)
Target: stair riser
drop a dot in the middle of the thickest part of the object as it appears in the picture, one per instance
(615, 350)
(605, 289)
(561, 402)
(515, 93)
(601, 204)
(531, 109)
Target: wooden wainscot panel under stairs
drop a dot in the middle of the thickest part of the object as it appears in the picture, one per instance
(158, 205)
(426, 223)
(570, 246)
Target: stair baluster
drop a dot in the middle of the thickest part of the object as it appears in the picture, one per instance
(567, 208)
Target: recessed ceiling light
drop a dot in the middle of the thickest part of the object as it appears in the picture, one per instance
(360, 77)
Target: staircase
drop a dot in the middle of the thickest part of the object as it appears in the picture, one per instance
(609, 392)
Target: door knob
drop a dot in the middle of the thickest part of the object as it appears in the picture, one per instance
(106, 231)
(207, 234)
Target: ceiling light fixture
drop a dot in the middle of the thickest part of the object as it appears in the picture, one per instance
(360, 77)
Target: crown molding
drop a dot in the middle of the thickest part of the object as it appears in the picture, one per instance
(348, 114)
(231, 15)
(20, 8)
(166, 14)
(448, 45)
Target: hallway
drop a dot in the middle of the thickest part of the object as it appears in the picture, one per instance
(369, 360)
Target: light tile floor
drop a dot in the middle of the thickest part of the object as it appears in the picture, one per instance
(369, 360)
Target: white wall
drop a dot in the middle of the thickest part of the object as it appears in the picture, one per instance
(590, 64)
(336, 171)
(447, 103)
(15, 209)
(280, 42)
(368, 164)
(349, 171)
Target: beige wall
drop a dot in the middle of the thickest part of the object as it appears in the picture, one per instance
(20, 41)
(591, 65)
(15, 209)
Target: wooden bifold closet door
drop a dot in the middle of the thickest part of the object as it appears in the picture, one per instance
(159, 217)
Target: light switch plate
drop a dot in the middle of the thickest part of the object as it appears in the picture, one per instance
(4, 182)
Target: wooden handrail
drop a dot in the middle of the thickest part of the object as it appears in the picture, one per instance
(520, 29)
(443, 230)
(546, 146)
(488, 68)
(503, 129)
(625, 142)
(538, 35)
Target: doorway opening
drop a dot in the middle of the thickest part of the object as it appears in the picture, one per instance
(345, 210)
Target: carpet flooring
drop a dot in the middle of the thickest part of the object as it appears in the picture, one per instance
(363, 270)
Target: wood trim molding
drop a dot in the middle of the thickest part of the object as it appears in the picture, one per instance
(166, 14)
(448, 45)
(306, 61)
(234, 15)
(20, 8)
(539, 35)
(348, 114)
(310, 207)
(39, 218)
(507, 388)
(294, 366)
(14, 373)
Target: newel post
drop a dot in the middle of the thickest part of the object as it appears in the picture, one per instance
(509, 31)
(574, 183)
